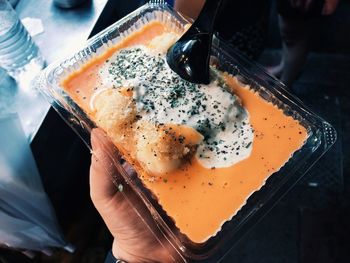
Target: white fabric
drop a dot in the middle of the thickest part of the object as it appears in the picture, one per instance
(27, 220)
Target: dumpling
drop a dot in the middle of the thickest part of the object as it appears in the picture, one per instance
(163, 148)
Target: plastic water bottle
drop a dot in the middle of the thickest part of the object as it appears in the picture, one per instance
(8, 92)
(19, 55)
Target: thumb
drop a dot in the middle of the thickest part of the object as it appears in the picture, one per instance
(102, 169)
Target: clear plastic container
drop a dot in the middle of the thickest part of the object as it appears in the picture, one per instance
(321, 135)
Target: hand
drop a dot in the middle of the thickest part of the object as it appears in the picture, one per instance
(134, 240)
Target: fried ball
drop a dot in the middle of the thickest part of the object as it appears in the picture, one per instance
(162, 43)
(163, 148)
(115, 112)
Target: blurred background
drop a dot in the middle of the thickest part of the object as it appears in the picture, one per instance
(310, 223)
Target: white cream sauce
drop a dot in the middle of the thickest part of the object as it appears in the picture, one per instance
(162, 96)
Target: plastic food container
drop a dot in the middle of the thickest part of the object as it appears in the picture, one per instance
(321, 135)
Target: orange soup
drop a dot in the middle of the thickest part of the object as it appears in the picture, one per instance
(200, 198)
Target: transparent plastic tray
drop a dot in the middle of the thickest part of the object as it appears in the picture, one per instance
(321, 135)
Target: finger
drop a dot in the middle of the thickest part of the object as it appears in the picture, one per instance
(104, 194)
(102, 169)
(109, 202)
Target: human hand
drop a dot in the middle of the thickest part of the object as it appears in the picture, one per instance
(134, 240)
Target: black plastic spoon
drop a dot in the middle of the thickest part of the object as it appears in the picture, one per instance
(189, 56)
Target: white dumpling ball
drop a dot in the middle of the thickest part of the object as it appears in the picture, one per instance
(115, 112)
(163, 148)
